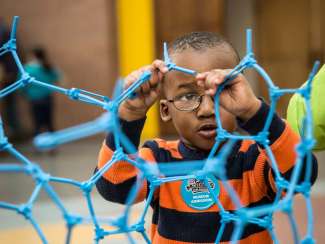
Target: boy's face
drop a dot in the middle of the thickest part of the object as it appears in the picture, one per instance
(196, 128)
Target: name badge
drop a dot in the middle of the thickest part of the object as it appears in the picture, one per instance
(196, 195)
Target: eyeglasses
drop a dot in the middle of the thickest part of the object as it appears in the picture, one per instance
(188, 101)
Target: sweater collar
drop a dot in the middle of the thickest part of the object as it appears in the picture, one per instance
(198, 154)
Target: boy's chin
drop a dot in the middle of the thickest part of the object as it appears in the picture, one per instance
(199, 144)
(206, 146)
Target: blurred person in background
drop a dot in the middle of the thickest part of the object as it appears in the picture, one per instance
(41, 100)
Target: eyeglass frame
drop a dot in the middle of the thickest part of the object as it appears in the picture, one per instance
(193, 109)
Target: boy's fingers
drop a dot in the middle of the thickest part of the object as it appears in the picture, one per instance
(134, 76)
(159, 65)
(158, 69)
(208, 80)
(216, 77)
(145, 88)
(131, 78)
(211, 91)
(201, 76)
(160, 77)
(212, 81)
(154, 80)
(152, 83)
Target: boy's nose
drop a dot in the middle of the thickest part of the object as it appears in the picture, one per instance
(206, 108)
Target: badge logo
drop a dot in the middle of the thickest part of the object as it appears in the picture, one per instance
(196, 194)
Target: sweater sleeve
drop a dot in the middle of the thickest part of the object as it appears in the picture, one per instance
(116, 182)
(283, 142)
(297, 110)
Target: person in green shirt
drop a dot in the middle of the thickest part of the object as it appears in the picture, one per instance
(297, 110)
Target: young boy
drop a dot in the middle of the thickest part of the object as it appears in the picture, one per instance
(187, 101)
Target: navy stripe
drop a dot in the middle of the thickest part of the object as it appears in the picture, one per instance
(114, 192)
(257, 122)
(269, 188)
(200, 227)
(251, 156)
(161, 154)
(237, 163)
(132, 129)
(287, 175)
(314, 171)
(154, 203)
(155, 215)
(241, 162)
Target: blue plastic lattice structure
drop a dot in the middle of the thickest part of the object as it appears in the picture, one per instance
(214, 164)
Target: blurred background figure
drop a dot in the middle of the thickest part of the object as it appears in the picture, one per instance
(40, 99)
(8, 76)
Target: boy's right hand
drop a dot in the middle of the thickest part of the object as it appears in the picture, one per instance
(136, 108)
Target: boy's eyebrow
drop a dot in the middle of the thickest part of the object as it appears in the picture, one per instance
(187, 85)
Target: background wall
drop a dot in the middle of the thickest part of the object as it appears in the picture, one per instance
(290, 38)
(81, 40)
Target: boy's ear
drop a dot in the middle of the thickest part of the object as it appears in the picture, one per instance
(164, 111)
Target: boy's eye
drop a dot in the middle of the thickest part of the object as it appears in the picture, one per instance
(188, 97)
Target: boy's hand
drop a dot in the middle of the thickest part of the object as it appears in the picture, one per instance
(237, 97)
(147, 93)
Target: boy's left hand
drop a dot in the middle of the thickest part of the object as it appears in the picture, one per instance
(237, 97)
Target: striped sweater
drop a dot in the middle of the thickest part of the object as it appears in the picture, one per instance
(174, 221)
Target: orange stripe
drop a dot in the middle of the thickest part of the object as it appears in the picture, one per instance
(261, 237)
(245, 145)
(171, 146)
(119, 171)
(146, 154)
(272, 181)
(142, 193)
(284, 149)
(153, 231)
(122, 171)
(258, 180)
(105, 154)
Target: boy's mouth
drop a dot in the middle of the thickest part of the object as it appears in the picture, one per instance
(207, 131)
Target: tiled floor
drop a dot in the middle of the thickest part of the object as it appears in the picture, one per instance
(77, 161)
(18, 231)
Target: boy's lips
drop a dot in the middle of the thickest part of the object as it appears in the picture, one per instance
(207, 131)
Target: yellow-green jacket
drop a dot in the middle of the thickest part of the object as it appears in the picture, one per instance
(296, 110)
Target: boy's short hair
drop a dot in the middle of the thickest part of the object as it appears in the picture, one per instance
(200, 41)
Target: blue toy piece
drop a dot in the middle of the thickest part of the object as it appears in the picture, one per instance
(200, 170)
